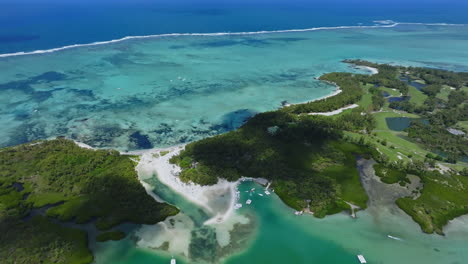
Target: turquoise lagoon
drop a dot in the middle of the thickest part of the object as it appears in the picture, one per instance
(279, 236)
(162, 91)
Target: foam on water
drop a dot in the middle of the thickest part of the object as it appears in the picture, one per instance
(380, 24)
(97, 43)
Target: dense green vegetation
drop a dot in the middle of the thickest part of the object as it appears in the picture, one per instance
(111, 235)
(311, 159)
(390, 175)
(351, 92)
(443, 198)
(438, 138)
(304, 156)
(41, 241)
(81, 184)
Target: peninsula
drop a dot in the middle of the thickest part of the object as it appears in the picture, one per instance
(411, 121)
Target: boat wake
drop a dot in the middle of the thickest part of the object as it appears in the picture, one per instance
(378, 24)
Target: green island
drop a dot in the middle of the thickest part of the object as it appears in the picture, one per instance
(46, 184)
(410, 120)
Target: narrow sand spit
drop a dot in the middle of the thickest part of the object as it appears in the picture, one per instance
(217, 200)
(371, 70)
(337, 91)
(335, 112)
(83, 145)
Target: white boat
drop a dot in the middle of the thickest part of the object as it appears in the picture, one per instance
(393, 237)
(260, 194)
(248, 201)
(253, 189)
(237, 206)
(361, 258)
(298, 213)
(173, 261)
(267, 192)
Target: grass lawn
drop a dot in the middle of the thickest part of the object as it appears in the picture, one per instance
(391, 92)
(444, 92)
(397, 146)
(366, 100)
(463, 125)
(417, 97)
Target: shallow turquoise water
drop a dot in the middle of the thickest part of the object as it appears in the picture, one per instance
(282, 237)
(163, 91)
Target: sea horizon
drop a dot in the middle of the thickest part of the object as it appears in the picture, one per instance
(33, 26)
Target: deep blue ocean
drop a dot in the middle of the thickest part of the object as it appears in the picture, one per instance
(43, 24)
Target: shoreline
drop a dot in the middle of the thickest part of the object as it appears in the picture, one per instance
(152, 163)
(371, 70)
(335, 112)
(336, 92)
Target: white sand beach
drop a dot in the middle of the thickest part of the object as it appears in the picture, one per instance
(335, 112)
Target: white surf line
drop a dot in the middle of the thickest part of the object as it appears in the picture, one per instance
(371, 70)
(98, 43)
(336, 92)
(382, 24)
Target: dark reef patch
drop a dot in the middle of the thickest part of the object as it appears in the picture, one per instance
(49, 76)
(102, 135)
(24, 133)
(236, 119)
(83, 94)
(41, 96)
(175, 47)
(140, 141)
(22, 85)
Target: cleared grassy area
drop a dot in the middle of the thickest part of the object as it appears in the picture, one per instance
(391, 92)
(380, 118)
(444, 92)
(397, 146)
(417, 97)
(463, 125)
(366, 99)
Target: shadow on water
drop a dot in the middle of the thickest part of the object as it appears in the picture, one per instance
(234, 120)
